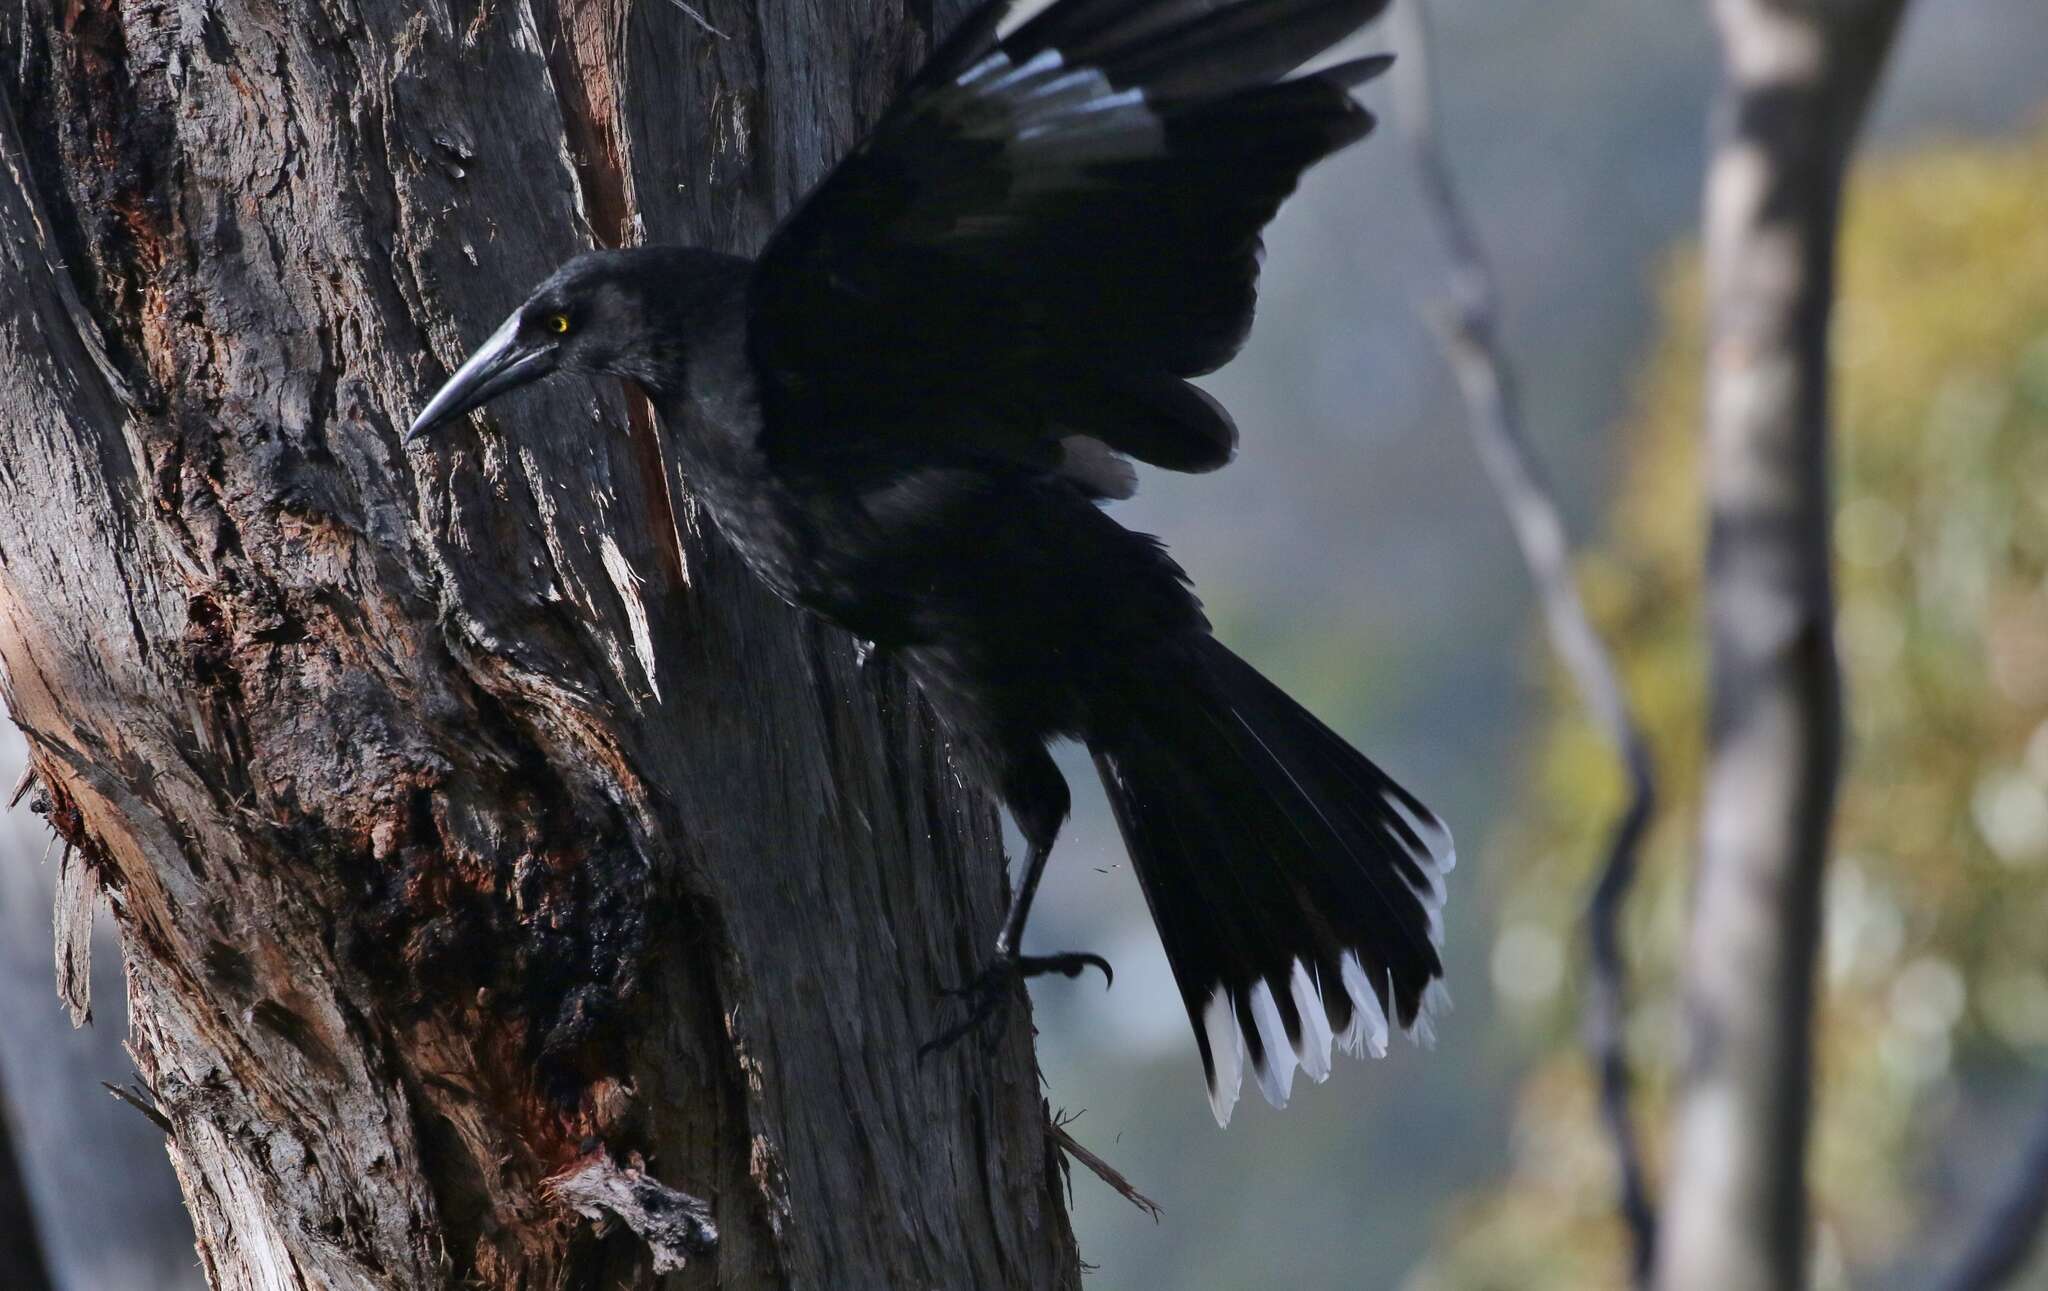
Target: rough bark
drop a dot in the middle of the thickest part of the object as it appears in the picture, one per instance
(21, 1248)
(1799, 74)
(475, 828)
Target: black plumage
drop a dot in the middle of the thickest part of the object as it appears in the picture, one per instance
(904, 413)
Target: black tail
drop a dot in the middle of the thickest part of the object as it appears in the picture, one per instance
(1298, 890)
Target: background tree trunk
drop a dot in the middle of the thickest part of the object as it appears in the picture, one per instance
(486, 847)
(2004, 1245)
(21, 1249)
(1798, 77)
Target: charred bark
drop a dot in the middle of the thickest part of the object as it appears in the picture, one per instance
(484, 844)
(1799, 75)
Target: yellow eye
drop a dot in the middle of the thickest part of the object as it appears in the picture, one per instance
(558, 324)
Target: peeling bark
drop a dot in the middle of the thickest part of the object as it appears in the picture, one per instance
(72, 910)
(470, 816)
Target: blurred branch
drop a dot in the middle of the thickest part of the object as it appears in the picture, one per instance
(21, 1251)
(1471, 339)
(1798, 75)
(2011, 1233)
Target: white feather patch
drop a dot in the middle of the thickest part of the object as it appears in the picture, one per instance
(1438, 857)
(1056, 119)
(994, 64)
(1368, 1032)
(1078, 120)
(1021, 12)
(1069, 89)
(1436, 1002)
(1275, 1070)
(1368, 1029)
(1045, 60)
(1435, 835)
(1219, 1023)
(1314, 1049)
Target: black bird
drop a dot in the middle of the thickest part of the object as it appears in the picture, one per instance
(905, 412)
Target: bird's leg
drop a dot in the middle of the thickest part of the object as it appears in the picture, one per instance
(1068, 964)
(989, 995)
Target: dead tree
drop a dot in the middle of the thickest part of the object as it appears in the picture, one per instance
(512, 894)
(1799, 74)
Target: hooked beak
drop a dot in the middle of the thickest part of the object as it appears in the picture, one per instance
(502, 363)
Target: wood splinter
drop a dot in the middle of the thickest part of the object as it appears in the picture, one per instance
(22, 786)
(1101, 1169)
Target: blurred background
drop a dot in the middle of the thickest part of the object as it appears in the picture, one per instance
(1355, 553)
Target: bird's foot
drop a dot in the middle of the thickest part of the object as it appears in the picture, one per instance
(993, 989)
(1067, 964)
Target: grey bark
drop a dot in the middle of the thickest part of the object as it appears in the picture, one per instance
(1470, 330)
(483, 842)
(21, 1246)
(1798, 76)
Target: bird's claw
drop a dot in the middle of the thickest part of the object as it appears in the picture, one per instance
(1069, 964)
(990, 994)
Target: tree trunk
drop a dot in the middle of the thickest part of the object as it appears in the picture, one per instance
(1798, 78)
(489, 852)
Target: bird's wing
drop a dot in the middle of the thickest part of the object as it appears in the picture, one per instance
(1055, 224)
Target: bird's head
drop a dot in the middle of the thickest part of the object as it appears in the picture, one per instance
(618, 313)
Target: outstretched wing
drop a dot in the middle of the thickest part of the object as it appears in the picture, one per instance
(1050, 229)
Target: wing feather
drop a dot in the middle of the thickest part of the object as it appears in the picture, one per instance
(1050, 231)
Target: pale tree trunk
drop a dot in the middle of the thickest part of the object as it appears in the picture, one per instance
(486, 848)
(1799, 74)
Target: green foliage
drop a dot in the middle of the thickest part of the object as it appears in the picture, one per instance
(1937, 905)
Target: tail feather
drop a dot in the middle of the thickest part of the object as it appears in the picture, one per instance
(1297, 889)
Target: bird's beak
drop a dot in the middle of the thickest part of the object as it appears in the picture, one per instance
(502, 363)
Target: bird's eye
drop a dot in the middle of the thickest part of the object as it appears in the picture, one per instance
(558, 324)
